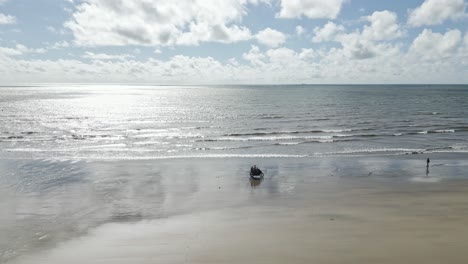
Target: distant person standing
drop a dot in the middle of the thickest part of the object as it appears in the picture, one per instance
(427, 162)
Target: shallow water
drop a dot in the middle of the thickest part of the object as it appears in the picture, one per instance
(45, 203)
(208, 210)
(131, 122)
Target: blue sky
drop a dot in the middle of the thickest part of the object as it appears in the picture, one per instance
(233, 41)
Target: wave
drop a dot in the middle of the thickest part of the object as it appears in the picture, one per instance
(305, 142)
(461, 128)
(337, 130)
(122, 145)
(116, 154)
(434, 131)
(271, 116)
(168, 135)
(272, 138)
(98, 149)
(457, 148)
(204, 156)
(288, 143)
(23, 150)
(288, 132)
(150, 143)
(376, 150)
(443, 131)
(222, 148)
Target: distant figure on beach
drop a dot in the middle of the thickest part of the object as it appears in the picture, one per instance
(428, 161)
(255, 171)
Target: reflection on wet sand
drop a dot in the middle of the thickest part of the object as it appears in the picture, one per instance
(177, 211)
(356, 223)
(254, 183)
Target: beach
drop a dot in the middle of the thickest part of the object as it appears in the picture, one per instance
(326, 210)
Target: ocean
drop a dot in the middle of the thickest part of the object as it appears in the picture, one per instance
(157, 122)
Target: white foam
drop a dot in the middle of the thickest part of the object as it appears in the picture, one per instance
(168, 135)
(289, 143)
(24, 150)
(336, 130)
(375, 150)
(278, 138)
(151, 143)
(121, 145)
(445, 131)
(204, 156)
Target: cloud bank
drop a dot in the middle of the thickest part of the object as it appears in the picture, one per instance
(106, 39)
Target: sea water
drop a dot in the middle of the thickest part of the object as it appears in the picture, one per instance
(75, 158)
(141, 122)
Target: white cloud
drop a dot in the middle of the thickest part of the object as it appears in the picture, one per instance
(7, 19)
(270, 37)
(366, 43)
(233, 61)
(103, 56)
(310, 8)
(204, 32)
(280, 54)
(19, 50)
(435, 45)
(60, 45)
(254, 56)
(163, 22)
(300, 30)
(357, 47)
(384, 26)
(278, 65)
(327, 32)
(10, 51)
(434, 12)
(307, 54)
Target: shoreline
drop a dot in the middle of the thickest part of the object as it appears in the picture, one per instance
(419, 155)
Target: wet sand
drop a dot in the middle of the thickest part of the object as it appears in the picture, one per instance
(321, 211)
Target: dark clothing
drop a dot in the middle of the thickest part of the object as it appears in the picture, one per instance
(255, 171)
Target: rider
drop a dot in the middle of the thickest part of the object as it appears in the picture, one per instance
(255, 171)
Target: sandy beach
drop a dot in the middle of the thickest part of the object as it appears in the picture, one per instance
(207, 211)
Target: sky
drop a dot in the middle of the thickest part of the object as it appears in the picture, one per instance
(234, 41)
